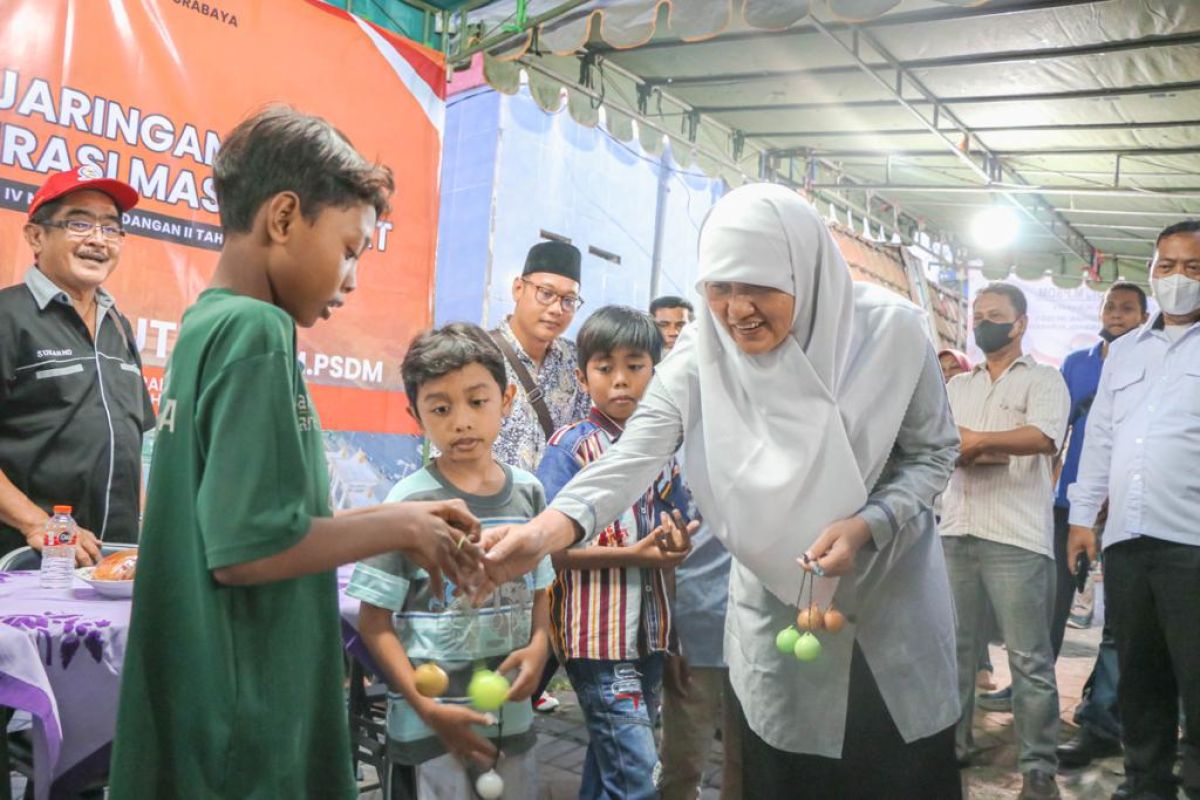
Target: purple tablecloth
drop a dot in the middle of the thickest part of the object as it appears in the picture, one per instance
(61, 653)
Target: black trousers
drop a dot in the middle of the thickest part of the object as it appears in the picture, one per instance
(1064, 581)
(1154, 591)
(877, 764)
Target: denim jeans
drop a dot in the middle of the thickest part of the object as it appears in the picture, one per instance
(1018, 584)
(620, 706)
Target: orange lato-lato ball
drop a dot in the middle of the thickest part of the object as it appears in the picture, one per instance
(432, 681)
(810, 619)
(834, 620)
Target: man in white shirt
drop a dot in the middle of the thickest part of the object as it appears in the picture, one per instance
(1141, 453)
(997, 523)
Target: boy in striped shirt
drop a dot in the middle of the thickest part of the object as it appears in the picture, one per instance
(609, 615)
(458, 392)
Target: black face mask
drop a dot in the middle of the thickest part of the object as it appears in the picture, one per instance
(993, 336)
(1109, 336)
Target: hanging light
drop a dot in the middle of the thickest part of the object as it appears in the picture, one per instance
(995, 227)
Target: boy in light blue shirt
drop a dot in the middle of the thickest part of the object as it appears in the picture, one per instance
(458, 392)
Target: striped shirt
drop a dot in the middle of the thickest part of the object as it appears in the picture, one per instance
(1009, 503)
(609, 614)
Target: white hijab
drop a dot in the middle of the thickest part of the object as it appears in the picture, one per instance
(782, 444)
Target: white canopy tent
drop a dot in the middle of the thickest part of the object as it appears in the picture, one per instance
(1081, 115)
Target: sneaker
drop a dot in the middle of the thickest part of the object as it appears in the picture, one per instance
(1038, 785)
(1080, 622)
(546, 703)
(996, 701)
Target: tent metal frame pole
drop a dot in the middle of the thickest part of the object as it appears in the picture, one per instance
(1065, 128)
(889, 20)
(974, 100)
(1123, 212)
(948, 62)
(1174, 193)
(1126, 152)
(1057, 225)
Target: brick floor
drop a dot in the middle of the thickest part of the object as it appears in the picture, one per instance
(993, 778)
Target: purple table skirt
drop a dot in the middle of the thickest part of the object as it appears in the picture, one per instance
(61, 654)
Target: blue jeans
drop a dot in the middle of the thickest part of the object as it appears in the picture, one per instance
(620, 706)
(1018, 584)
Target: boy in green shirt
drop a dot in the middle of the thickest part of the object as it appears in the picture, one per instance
(458, 390)
(233, 676)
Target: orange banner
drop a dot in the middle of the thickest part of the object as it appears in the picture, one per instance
(144, 89)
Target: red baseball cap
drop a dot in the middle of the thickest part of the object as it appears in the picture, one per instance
(88, 176)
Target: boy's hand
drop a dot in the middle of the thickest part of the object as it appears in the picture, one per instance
(673, 535)
(648, 553)
(529, 662)
(439, 536)
(452, 724)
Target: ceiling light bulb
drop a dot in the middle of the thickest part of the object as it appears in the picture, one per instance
(995, 227)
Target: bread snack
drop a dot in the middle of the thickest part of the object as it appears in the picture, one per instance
(117, 566)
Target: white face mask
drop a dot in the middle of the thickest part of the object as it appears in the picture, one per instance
(1177, 295)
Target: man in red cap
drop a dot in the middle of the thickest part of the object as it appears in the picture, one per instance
(73, 405)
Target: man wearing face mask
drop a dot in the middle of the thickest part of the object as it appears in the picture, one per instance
(997, 523)
(1099, 735)
(1141, 452)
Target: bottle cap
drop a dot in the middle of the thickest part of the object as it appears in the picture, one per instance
(62, 509)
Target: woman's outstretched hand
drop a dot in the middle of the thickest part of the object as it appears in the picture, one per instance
(512, 550)
(832, 554)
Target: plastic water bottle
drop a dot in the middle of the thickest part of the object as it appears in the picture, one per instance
(58, 549)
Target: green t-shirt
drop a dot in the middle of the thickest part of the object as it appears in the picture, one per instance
(232, 692)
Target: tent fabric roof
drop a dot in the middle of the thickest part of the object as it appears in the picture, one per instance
(1082, 113)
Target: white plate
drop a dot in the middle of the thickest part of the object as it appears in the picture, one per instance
(122, 590)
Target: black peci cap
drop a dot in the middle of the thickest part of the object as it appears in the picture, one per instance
(555, 257)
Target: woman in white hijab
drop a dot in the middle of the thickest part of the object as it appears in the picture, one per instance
(816, 425)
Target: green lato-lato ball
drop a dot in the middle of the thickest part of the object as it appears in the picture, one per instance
(487, 690)
(785, 640)
(807, 647)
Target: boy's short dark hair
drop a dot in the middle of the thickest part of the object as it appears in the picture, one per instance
(280, 149)
(1014, 295)
(439, 352)
(1186, 226)
(671, 301)
(611, 327)
(1126, 286)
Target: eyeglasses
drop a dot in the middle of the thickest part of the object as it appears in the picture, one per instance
(82, 228)
(546, 296)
